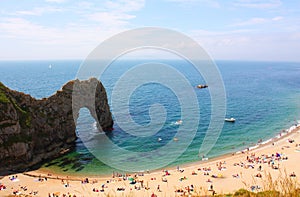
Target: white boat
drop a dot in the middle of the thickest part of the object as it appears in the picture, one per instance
(229, 119)
(178, 122)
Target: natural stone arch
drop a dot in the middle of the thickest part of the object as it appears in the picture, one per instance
(33, 130)
(92, 95)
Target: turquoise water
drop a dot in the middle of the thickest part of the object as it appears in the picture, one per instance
(262, 96)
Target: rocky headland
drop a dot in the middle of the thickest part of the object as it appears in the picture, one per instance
(34, 130)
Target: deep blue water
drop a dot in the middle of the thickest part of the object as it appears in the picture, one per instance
(263, 97)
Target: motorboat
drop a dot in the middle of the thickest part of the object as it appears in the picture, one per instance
(178, 122)
(229, 119)
(202, 86)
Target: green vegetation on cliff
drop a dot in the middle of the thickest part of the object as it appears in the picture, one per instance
(25, 118)
(3, 97)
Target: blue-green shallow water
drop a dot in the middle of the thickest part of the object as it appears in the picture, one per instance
(262, 96)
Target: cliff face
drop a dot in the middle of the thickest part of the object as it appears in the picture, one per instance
(33, 130)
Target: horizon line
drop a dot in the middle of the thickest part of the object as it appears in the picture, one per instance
(139, 59)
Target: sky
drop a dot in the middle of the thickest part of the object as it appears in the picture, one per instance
(267, 30)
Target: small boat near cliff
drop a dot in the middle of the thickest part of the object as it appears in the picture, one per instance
(229, 120)
(178, 122)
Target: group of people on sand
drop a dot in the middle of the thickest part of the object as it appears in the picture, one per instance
(13, 178)
(20, 189)
(187, 190)
(212, 172)
(2, 187)
(24, 189)
(251, 161)
(86, 180)
(63, 195)
(273, 161)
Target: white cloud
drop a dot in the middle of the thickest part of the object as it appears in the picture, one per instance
(257, 21)
(28, 34)
(116, 14)
(72, 38)
(277, 18)
(221, 38)
(19, 28)
(38, 11)
(205, 33)
(56, 1)
(252, 21)
(249, 45)
(266, 4)
(125, 5)
(210, 3)
(83, 5)
(32, 41)
(75, 34)
(110, 19)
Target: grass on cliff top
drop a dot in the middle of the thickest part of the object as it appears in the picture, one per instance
(3, 97)
(25, 118)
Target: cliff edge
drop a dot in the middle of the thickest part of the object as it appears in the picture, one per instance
(33, 130)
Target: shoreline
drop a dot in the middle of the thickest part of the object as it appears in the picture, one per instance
(223, 174)
(285, 133)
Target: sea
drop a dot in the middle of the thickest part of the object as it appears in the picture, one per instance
(263, 97)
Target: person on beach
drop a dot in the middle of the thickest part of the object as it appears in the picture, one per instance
(158, 188)
(153, 195)
(259, 168)
(293, 174)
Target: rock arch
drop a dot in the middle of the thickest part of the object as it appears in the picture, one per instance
(33, 130)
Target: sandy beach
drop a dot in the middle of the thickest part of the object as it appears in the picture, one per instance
(246, 169)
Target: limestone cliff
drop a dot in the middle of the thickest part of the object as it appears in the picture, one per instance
(34, 130)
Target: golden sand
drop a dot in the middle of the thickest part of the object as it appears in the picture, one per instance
(224, 174)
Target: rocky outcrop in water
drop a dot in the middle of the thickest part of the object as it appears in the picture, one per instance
(32, 130)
